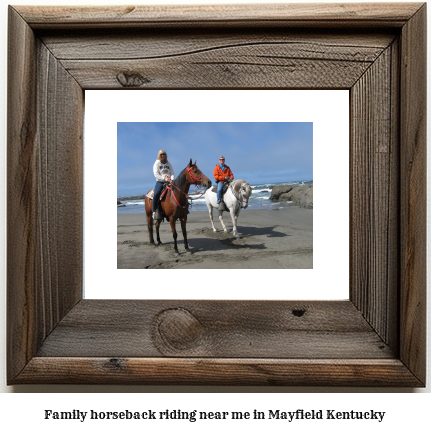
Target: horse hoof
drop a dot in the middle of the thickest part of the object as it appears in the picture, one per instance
(159, 243)
(214, 230)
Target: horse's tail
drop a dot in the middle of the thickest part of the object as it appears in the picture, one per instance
(148, 206)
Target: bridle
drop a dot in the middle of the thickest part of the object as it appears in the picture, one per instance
(240, 197)
(241, 193)
(198, 180)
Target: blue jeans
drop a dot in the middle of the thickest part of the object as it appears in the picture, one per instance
(219, 191)
(157, 192)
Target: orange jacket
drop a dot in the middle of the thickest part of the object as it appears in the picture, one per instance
(219, 174)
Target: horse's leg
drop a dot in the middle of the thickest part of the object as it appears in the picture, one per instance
(174, 232)
(183, 227)
(158, 222)
(210, 210)
(234, 221)
(150, 228)
(150, 221)
(228, 203)
(220, 216)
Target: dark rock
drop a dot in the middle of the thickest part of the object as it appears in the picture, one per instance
(277, 191)
(299, 195)
(131, 198)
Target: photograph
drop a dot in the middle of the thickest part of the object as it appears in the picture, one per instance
(229, 195)
(204, 125)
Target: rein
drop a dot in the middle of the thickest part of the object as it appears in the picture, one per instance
(240, 197)
(234, 194)
(198, 182)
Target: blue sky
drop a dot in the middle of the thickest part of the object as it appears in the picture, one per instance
(257, 152)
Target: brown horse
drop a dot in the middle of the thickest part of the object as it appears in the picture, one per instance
(174, 203)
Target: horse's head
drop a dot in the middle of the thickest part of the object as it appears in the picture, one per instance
(196, 176)
(244, 193)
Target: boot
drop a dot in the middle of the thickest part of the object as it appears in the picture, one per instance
(221, 206)
(158, 215)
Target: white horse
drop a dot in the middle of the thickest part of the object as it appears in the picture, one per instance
(235, 199)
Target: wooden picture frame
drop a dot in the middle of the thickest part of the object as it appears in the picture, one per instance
(376, 338)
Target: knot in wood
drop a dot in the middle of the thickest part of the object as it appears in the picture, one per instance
(131, 79)
(115, 363)
(178, 329)
(298, 312)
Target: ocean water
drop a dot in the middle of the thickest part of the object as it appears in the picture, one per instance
(259, 199)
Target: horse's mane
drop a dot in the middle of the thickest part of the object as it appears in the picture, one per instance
(181, 179)
(238, 181)
(236, 184)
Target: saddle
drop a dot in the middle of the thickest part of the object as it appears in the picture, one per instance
(150, 193)
(224, 190)
(234, 185)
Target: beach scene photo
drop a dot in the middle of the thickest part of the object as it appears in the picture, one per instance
(271, 162)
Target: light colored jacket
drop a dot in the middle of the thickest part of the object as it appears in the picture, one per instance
(161, 170)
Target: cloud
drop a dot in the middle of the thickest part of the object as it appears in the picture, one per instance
(258, 152)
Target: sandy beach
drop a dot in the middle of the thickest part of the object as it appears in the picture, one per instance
(269, 239)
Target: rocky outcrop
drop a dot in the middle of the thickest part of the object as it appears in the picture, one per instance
(131, 198)
(300, 195)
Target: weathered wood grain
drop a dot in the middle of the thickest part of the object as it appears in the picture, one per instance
(266, 15)
(21, 196)
(44, 193)
(373, 216)
(59, 183)
(227, 60)
(139, 44)
(375, 338)
(329, 372)
(246, 66)
(413, 194)
(232, 329)
(192, 59)
(228, 70)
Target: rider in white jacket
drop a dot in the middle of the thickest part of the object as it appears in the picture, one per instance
(161, 170)
(164, 173)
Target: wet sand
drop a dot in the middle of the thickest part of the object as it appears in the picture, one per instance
(269, 239)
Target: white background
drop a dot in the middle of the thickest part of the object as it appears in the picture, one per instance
(329, 113)
(404, 410)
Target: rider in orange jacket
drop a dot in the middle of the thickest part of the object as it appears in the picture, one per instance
(221, 173)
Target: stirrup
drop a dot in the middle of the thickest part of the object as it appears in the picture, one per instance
(158, 215)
